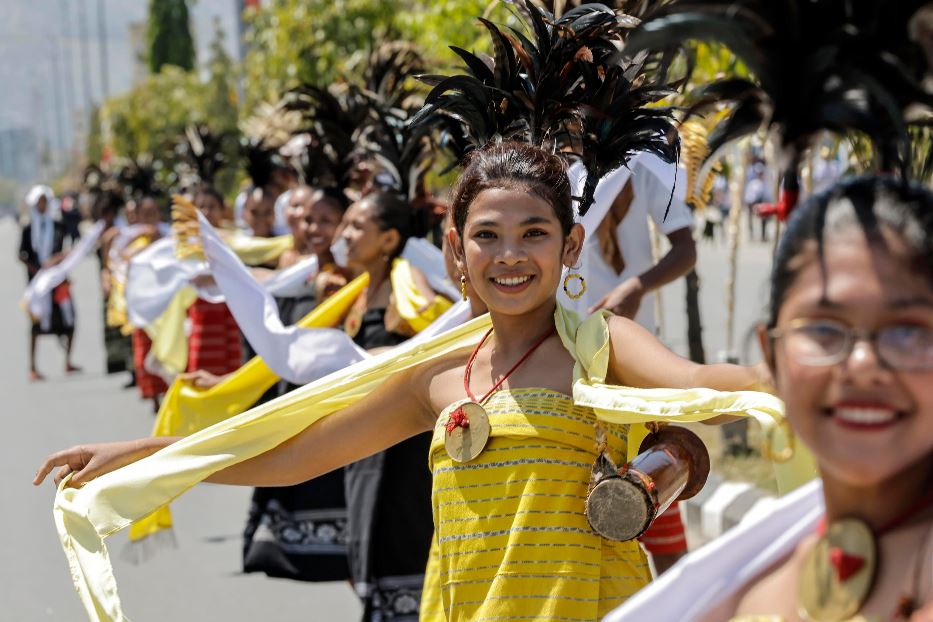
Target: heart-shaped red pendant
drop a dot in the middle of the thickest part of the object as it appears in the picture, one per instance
(846, 565)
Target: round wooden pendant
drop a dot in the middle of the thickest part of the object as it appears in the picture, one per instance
(467, 432)
(838, 573)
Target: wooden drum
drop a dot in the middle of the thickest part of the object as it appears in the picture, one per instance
(672, 464)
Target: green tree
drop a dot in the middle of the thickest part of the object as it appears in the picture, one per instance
(320, 41)
(293, 41)
(221, 106)
(169, 35)
(152, 117)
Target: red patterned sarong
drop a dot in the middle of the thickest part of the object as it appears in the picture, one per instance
(149, 384)
(667, 535)
(214, 343)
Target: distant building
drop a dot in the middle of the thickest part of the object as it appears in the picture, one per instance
(139, 50)
(19, 154)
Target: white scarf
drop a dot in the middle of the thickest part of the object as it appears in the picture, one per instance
(302, 355)
(41, 226)
(37, 299)
(703, 583)
(156, 275)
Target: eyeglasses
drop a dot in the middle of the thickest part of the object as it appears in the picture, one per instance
(820, 343)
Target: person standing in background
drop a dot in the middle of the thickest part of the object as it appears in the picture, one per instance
(617, 262)
(41, 246)
(622, 276)
(71, 216)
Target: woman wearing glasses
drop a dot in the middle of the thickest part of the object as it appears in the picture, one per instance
(850, 345)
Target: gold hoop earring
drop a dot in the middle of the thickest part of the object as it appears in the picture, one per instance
(567, 279)
(463, 286)
(779, 457)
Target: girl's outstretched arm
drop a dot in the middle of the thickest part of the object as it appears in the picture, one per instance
(638, 359)
(398, 409)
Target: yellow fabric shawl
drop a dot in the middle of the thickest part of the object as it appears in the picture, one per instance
(259, 251)
(85, 516)
(186, 409)
(412, 305)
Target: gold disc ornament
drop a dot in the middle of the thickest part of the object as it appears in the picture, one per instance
(838, 573)
(467, 432)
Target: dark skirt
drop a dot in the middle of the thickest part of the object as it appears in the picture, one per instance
(390, 528)
(390, 519)
(118, 347)
(62, 319)
(297, 532)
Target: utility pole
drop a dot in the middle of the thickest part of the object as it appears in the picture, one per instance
(68, 77)
(58, 106)
(85, 58)
(102, 35)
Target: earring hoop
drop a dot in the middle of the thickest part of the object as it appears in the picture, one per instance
(567, 280)
(463, 286)
(779, 457)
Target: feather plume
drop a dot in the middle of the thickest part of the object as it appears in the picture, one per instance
(332, 118)
(387, 72)
(202, 153)
(836, 65)
(264, 133)
(138, 177)
(560, 84)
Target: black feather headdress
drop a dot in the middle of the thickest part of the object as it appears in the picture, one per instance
(562, 85)
(332, 119)
(835, 65)
(138, 178)
(202, 153)
(402, 156)
(264, 134)
(387, 73)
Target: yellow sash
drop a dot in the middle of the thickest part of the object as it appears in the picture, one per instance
(186, 409)
(85, 516)
(411, 304)
(255, 251)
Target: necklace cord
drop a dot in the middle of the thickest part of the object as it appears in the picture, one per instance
(469, 365)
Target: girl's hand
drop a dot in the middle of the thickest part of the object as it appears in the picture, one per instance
(200, 379)
(88, 462)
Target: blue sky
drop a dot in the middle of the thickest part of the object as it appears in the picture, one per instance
(30, 30)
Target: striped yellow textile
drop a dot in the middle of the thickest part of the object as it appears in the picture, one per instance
(513, 542)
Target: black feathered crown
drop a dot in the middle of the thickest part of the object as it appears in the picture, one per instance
(836, 65)
(565, 87)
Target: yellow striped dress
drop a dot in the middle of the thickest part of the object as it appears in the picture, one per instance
(511, 538)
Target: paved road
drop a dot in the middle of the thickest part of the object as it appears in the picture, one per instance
(199, 580)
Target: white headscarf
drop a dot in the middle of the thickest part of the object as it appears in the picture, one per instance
(42, 226)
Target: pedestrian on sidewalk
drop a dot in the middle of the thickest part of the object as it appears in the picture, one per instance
(41, 247)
